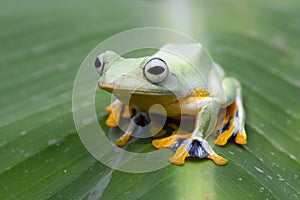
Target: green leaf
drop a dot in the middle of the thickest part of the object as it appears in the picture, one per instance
(42, 46)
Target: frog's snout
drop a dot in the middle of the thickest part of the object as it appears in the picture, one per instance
(99, 64)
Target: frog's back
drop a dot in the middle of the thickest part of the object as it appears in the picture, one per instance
(189, 62)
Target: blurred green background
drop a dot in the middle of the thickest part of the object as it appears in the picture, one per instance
(42, 46)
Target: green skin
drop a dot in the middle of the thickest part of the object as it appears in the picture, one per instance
(126, 75)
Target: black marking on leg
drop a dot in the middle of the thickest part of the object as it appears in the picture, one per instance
(225, 127)
(122, 110)
(196, 150)
(141, 119)
(177, 144)
(236, 123)
(235, 132)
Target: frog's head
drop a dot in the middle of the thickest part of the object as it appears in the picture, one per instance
(114, 70)
(145, 75)
(169, 73)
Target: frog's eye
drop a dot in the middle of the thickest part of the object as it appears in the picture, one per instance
(156, 70)
(99, 64)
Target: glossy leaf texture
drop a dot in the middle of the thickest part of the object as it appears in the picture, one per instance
(42, 46)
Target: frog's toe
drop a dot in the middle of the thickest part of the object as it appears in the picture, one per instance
(218, 160)
(111, 121)
(180, 143)
(241, 138)
(109, 108)
(115, 110)
(223, 138)
(172, 141)
(164, 142)
(123, 140)
(179, 157)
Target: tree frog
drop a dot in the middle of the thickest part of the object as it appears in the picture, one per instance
(184, 80)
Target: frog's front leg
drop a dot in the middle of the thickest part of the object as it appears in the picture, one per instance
(137, 125)
(132, 129)
(234, 121)
(123, 140)
(117, 110)
(194, 144)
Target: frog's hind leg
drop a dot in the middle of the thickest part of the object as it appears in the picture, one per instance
(194, 144)
(240, 134)
(234, 122)
(230, 127)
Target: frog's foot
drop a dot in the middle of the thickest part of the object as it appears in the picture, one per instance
(201, 148)
(232, 127)
(117, 110)
(241, 137)
(112, 121)
(124, 139)
(176, 142)
(218, 160)
(187, 146)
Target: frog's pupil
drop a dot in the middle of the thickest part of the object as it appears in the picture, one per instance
(156, 70)
(97, 63)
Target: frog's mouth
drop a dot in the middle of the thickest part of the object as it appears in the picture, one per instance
(129, 91)
(140, 99)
